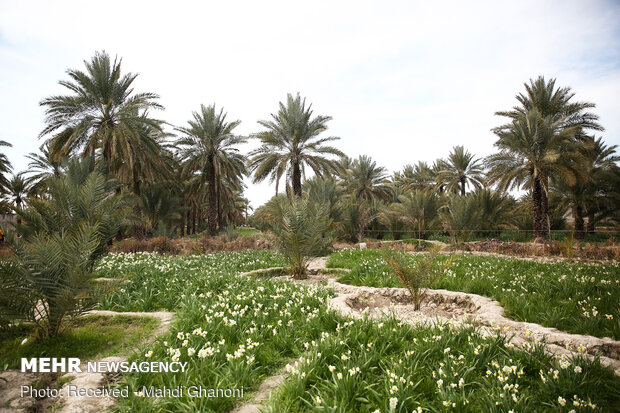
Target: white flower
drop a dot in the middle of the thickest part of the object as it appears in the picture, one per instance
(578, 369)
(191, 351)
(149, 354)
(331, 368)
(317, 400)
(24, 341)
(562, 401)
(393, 403)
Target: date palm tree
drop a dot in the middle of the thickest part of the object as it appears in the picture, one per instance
(589, 195)
(460, 169)
(42, 167)
(541, 142)
(366, 180)
(291, 141)
(208, 149)
(5, 167)
(101, 116)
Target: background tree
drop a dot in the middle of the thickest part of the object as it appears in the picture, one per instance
(291, 141)
(366, 180)
(5, 167)
(208, 149)
(460, 169)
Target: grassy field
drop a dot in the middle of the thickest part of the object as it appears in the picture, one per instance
(234, 331)
(578, 298)
(90, 337)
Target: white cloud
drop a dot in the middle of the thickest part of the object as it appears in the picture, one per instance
(404, 81)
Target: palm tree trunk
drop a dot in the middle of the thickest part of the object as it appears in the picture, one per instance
(212, 197)
(296, 179)
(578, 216)
(462, 186)
(590, 225)
(220, 213)
(537, 208)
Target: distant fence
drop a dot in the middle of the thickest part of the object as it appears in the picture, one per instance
(600, 234)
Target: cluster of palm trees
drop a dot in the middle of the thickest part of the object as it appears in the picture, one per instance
(545, 149)
(187, 179)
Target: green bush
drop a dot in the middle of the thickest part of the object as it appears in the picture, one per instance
(50, 278)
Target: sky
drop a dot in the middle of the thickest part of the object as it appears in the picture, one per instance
(404, 81)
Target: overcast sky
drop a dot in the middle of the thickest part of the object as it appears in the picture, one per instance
(403, 81)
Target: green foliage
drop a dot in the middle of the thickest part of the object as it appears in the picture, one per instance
(461, 216)
(290, 141)
(303, 233)
(50, 279)
(419, 275)
(250, 327)
(89, 337)
(574, 297)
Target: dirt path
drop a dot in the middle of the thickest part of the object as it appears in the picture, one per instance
(256, 403)
(10, 390)
(444, 305)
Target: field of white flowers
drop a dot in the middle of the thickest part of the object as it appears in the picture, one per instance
(574, 297)
(235, 331)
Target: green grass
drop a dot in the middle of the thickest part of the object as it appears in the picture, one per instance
(87, 338)
(159, 282)
(574, 297)
(235, 331)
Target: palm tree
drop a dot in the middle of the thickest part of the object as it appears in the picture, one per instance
(541, 142)
(416, 177)
(589, 195)
(103, 116)
(418, 210)
(50, 281)
(366, 180)
(17, 189)
(460, 169)
(42, 167)
(5, 167)
(208, 148)
(291, 141)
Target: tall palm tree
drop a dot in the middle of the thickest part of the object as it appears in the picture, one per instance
(461, 169)
(541, 142)
(589, 195)
(366, 180)
(291, 141)
(5, 167)
(208, 149)
(102, 116)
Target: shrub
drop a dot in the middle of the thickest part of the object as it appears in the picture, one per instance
(303, 233)
(50, 279)
(419, 275)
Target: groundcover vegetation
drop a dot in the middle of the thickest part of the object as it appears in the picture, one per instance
(575, 297)
(236, 330)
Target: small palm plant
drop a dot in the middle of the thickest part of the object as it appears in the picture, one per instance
(419, 275)
(303, 233)
(49, 280)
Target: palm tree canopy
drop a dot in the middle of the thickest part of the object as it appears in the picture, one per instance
(461, 169)
(210, 136)
(103, 113)
(290, 141)
(533, 147)
(5, 167)
(366, 179)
